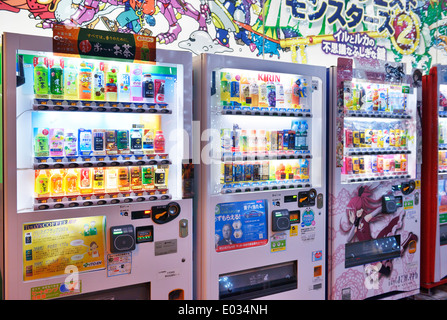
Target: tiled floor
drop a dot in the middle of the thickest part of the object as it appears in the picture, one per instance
(436, 293)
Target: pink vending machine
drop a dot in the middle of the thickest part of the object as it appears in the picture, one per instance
(94, 147)
(374, 194)
(261, 220)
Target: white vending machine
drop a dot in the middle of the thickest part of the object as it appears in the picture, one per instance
(261, 220)
(374, 192)
(94, 147)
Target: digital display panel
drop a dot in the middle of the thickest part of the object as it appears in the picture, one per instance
(240, 225)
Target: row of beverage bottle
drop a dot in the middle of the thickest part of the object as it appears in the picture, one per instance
(374, 97)
(266, 170)
(262, 91)
(60, 142)
(95, 81)
(375, 164)
(240, 140)
(88, 181)
(370, 138)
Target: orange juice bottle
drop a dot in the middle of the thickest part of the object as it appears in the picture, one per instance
(135, 178)
(98, 180)
(123, 179)
(85, 181)
(56, 183)
(71, 182)
(41, 184)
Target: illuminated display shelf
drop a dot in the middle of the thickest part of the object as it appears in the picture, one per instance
(375, 151)
(375, 114)
(101, 161)
(264, 111)
(99, 200)
(100, 106)
(265, 186)
(352, 178)
(280, 155)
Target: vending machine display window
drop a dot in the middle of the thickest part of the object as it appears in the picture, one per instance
(263, 130)
(98, 132)
(379, 131)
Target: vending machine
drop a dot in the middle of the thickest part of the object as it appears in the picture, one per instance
(434, 169)
(374, 193)
(261, 221)
(93, 207)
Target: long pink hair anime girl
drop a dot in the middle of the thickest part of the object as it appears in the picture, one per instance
(361, 210)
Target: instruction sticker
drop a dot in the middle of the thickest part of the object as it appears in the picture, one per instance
(278, 242)
(119, 264)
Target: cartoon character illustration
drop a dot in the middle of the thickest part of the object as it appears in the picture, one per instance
(136, 14)
(93, 252)
(76, 13)
(200, 42)
(361, 212)
(231, 16)
(43, 9)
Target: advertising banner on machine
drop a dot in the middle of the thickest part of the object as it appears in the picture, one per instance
(49, 247)
(240, 225)
(106, 44)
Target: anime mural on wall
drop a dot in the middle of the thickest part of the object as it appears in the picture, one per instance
(276, 29)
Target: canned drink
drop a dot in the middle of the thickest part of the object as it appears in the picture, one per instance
(355, 165)
(380, 164)
(256, 171)
(362, 139)
(348, 163)
(348, 138)
(356, 140)
(228, 172)
(248, 171)
(361, 165)
(374, 164)
(368, 137)
(238, 171)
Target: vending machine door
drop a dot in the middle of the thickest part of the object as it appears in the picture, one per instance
(374, 186)
(262, 191)
(94, 152)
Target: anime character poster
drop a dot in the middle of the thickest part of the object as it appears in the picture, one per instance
(375, 251)
(303, 31)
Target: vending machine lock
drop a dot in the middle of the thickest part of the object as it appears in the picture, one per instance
(408, 187)
(280, 220)
(122, 238)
